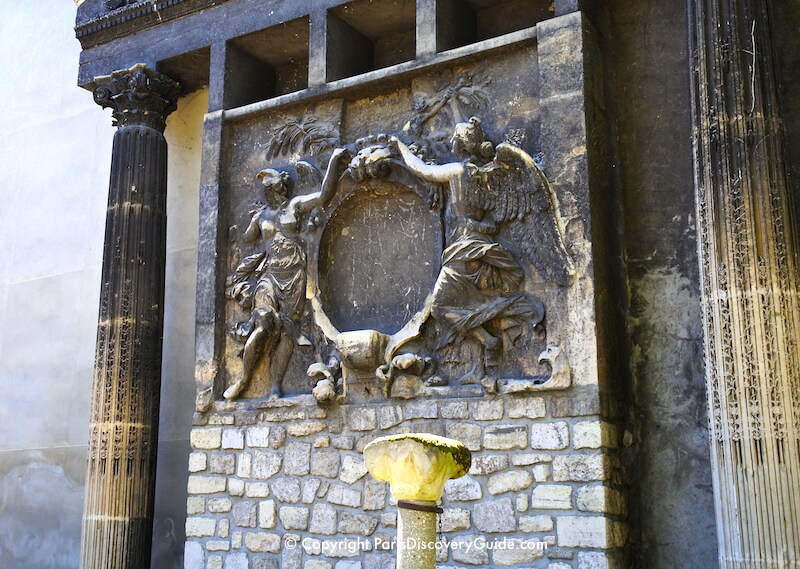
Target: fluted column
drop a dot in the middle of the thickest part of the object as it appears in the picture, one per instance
(120, 482)
(748, 248)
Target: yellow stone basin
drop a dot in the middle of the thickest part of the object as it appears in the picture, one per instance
(416, 465)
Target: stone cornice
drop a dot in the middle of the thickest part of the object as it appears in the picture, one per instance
(102, 25)
(137, 96)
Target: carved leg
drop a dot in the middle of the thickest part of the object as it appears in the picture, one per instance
(253, 352)
(281, 357)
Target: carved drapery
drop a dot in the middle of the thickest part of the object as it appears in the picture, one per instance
(118, 513)
(748, 250)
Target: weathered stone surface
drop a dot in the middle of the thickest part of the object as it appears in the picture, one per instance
(322, 441)
(579, 468)
(590, 531)
(353, 469)
(219, 545)
(198, 461)
(518, 551)
(233, 561)
(487, 410)
(551, 497)
(223, 528)
(421, 409)
(244, 469)
(306, 428)
(379, 560)
(535, 523)
(222, 463)
(256, 489)
(575, 405)
(389, 519)
(593, 560)
(374, 495)
(232, 439)
(257, 437)
(494, 517)
(593, 434)
(265, 563)
(454, 519)
(528, 458)
(522, 502)
(244, 514)
(200, 527)
(195, 505)
(344, 496)
(267, 514)
(260, 542)
(323, 520)
(296, 459)
(389, 416)
(541, 472)
(277, 437)
(467, 433)
(287, 490)
(219, 505)
(526, 408)
(600, 499)
(291, 557)
(348, 564)
(509, 481)
(357, 523)
(193, 556)
(505, 437)
(325, 462)
(464, 489)
(454, 410)
(549, 436)
(206, 484)
(216, 562)
(317, 564)
(294, 517)
(309, 491)
(266, 464)
(206, 438)
(235, 487)
(343, 442)
(465, 550)
(488, 464)
(363, 419)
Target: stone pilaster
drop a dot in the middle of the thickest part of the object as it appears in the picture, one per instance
(749, 255)
(120, 482)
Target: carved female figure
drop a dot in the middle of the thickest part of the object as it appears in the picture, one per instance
(279, 293)
(273, 282)
(478, 292)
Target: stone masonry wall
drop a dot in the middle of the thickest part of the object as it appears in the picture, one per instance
(282, 483)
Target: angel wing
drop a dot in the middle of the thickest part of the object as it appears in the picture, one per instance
(515, 190)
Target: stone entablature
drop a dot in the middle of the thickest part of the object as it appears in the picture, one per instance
(282, 483)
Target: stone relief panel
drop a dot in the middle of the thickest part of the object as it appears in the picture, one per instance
(424, 259)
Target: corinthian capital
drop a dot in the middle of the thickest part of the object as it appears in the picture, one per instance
(137, 96)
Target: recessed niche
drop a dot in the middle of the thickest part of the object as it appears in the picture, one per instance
(462, 22)
(267, 63)
(190, 69)
(369, 34)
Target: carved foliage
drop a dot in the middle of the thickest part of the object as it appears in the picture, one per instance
(137, 96)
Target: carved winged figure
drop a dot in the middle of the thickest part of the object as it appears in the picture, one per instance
(272, 282)
(478, 292)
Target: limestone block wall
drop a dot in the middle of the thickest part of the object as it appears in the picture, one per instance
(282, 483)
